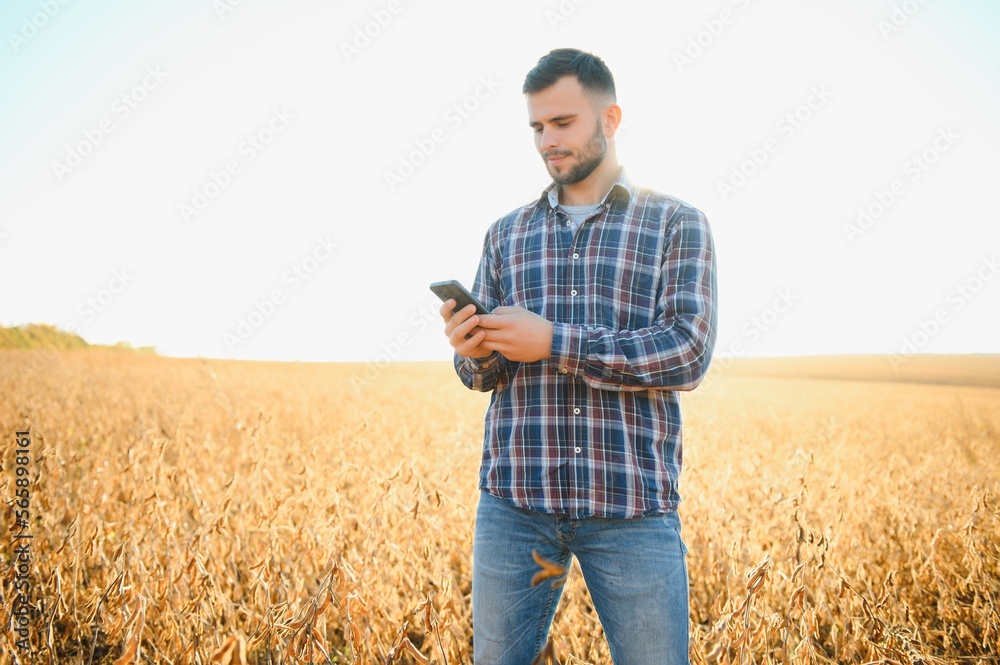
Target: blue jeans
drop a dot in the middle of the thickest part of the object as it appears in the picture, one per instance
(635, 570)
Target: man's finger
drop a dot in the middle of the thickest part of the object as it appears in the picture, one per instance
(498, 335)
(457, 319)
(469, 346)
(463, 328)
(445, 309)
(493, 321)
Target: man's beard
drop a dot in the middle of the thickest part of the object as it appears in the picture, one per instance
(589, 159)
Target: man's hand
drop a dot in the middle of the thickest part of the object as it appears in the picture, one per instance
(460, 324)
(516, 333)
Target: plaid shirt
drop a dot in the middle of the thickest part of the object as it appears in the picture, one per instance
(595, 430)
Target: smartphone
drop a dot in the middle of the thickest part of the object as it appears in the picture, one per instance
(454, 289)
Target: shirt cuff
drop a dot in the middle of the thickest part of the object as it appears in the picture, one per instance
(482, 364)
(568, 354)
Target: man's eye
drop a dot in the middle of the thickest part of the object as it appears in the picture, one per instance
(562, 124)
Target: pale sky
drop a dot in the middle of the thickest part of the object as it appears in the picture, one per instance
(210, 177)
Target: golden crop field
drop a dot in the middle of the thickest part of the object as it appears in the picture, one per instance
(206, 511)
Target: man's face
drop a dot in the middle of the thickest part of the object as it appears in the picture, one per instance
(568, 131)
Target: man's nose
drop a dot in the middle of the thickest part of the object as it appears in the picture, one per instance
(548, 140)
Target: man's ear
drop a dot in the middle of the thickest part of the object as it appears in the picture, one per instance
(611, 119)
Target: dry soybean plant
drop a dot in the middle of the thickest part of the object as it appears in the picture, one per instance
(225, 512)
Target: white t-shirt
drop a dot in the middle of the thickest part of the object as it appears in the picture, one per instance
(576, 214)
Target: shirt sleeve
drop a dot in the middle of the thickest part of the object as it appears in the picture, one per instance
(484, 374)
(672, 354)
(481, 374)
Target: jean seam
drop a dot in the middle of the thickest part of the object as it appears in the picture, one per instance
(548, 606)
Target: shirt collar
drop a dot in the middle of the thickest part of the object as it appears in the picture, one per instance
(622, 186)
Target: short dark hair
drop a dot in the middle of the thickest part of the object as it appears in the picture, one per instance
(590, 70)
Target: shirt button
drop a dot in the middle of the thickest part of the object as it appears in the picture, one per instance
(573, 292)
(576, 411)
(576, 255)
(578, 449)
(607, 206)
(567, 222)
(564, 370)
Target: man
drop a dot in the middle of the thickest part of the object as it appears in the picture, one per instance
(603, 305)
